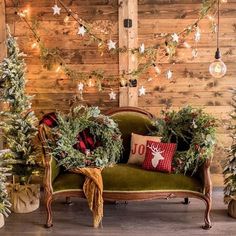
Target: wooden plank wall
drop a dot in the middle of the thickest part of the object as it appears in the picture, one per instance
(191, 83)
(54, 90)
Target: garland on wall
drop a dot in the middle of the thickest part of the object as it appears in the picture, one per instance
(149, 57)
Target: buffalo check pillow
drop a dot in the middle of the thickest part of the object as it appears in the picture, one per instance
(159, 156)
(138, 148)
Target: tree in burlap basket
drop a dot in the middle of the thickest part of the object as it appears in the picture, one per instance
(18, 123)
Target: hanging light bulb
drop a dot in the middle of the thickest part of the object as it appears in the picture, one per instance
(218, 68)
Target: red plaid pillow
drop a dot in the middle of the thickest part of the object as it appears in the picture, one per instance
(49, 119)
(159, 156)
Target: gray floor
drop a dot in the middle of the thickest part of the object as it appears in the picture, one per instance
(135, 219)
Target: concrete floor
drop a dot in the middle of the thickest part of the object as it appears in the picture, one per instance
(147, 218)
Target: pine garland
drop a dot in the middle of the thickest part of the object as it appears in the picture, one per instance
(18, 122)
(230, 166)
(103, 129)
(194, 131)
(164, 48)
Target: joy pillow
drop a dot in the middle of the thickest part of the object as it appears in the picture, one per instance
(138, 148)
(159, 156)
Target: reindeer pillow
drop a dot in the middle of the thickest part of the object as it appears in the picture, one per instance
(138, 148)
(159, 156)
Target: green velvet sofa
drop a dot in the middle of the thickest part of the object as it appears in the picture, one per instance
(126, 182)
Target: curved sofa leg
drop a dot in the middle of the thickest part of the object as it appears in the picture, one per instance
(207, 219)
(186, 201)
(208, 194)
(48, 204)
(68, 201)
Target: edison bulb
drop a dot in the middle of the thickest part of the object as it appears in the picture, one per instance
(217, 68)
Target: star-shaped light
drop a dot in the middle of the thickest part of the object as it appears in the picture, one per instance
(169, 74)
(141, 91)
(82, 30)
(56, 10)
(80, 86)
(197, 35)
(112, 95)
(111, 45)
(142, 48)
(175, 37)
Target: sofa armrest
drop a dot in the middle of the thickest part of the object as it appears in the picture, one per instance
(52, 170)
(203, 174)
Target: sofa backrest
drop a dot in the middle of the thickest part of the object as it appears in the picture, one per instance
(131, 120)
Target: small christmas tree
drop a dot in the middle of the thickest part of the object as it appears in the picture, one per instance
(230, 167)
(4, 202)
(19, 120)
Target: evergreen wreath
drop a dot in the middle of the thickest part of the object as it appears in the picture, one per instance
(86, 138)
(194, 131)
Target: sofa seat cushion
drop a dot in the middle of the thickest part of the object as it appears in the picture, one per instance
(128, 177)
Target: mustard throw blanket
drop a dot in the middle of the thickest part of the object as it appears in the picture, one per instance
(93, 189)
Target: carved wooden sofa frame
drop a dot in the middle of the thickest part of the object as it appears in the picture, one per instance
(50, 195)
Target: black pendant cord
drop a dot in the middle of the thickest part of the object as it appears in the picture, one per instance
(217, 55)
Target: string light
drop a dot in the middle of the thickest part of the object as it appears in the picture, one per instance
(67, 18)
(123, 82)
(90, 83)
(211, 18)
(102, 43)
(187, 45)
(157, 69)
(34, 45)
(23, 13)
(133, 58)
(58, 68)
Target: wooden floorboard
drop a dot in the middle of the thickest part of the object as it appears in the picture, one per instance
(148, 218)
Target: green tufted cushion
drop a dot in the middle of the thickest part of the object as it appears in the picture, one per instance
(131, 122)
(127, 177)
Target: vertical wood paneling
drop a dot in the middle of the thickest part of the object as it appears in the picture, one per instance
(128, 37)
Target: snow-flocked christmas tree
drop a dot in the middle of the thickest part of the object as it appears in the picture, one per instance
(230, 167)
(18, 121)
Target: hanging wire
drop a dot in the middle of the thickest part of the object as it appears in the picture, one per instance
(218, 23)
